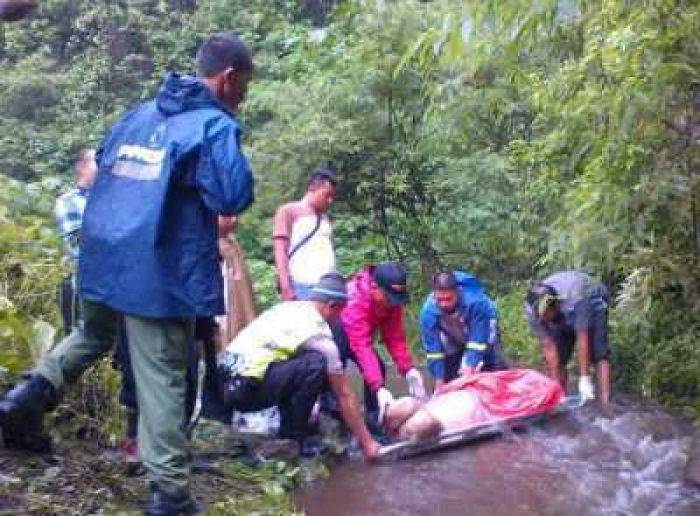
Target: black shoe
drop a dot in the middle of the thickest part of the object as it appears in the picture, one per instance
(22, 414)
(162, 504)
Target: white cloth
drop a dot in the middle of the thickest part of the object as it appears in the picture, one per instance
(586, 389)
(317, 256)
(384, 399)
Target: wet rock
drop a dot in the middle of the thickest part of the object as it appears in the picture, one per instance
(50, 474)
(10, 480)
(692, 467)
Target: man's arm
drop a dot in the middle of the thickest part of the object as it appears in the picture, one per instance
(479, 321)
(280, 247)
(395, 340)
(281, 231)
(223, 175)
(359, 334)
(352, 416)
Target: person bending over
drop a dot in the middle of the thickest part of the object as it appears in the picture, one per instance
(287, 357)
(376, 298)
(571, 307)
(459, 328)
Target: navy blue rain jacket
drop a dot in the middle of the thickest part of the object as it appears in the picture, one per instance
(149, 234)
(480, 315)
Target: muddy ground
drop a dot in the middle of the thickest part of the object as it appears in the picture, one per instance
(84, 477)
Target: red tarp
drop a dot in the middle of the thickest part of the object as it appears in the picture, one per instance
(494, 397)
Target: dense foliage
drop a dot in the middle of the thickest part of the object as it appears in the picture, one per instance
(509, 138)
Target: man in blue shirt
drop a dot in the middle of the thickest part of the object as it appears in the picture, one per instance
(69, 217)
(149, 251)
(459, 328)
(570, 308)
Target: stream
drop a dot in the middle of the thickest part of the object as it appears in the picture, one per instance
(579, 463)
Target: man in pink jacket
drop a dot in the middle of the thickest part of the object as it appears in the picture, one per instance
(376, 298)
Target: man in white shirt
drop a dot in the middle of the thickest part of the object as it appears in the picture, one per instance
(303, 237)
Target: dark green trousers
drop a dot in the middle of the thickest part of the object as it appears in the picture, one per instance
(158, 352)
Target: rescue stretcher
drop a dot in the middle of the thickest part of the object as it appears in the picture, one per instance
(472, 434)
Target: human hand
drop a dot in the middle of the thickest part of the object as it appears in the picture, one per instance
(585, 388)
(467, 371)
(227, 223)
(440, 387)
(416, 388)
(371, 450)
(384, 399)
(437, 386)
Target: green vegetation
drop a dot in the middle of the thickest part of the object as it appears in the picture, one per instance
(511, 139)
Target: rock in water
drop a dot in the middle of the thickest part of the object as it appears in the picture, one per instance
(13, 10)
(692, 468)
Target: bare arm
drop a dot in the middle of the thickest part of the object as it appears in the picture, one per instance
(351, 414)
(280, 247)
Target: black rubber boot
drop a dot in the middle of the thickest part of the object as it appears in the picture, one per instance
(22, 414)
(162, 504)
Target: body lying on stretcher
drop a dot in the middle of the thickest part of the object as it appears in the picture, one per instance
(473, 401)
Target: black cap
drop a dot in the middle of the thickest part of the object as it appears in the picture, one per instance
(391, 278)
(331, 287)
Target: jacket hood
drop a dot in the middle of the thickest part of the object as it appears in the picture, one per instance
(468, 282)
(180, 93)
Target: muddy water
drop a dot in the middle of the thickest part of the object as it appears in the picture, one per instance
(579, 464)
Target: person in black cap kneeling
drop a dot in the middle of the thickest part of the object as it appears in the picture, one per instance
(287, 357)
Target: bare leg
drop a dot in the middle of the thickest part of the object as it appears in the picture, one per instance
(583, 340)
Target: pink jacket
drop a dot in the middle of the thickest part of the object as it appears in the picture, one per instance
(361, 320)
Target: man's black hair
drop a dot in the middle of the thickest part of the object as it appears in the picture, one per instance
(320, 176)
(537, 291)
(445, 280)
(222, 51)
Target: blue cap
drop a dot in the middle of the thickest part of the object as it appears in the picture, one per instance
(331, 287)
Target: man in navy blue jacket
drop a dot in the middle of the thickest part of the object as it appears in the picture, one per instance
(149, 252)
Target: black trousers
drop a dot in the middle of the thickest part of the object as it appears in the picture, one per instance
(68, 304)
(293, 385)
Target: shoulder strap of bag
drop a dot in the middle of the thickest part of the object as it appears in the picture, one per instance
(308, 237)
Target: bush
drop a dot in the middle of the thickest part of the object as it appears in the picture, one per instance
(518, 342)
